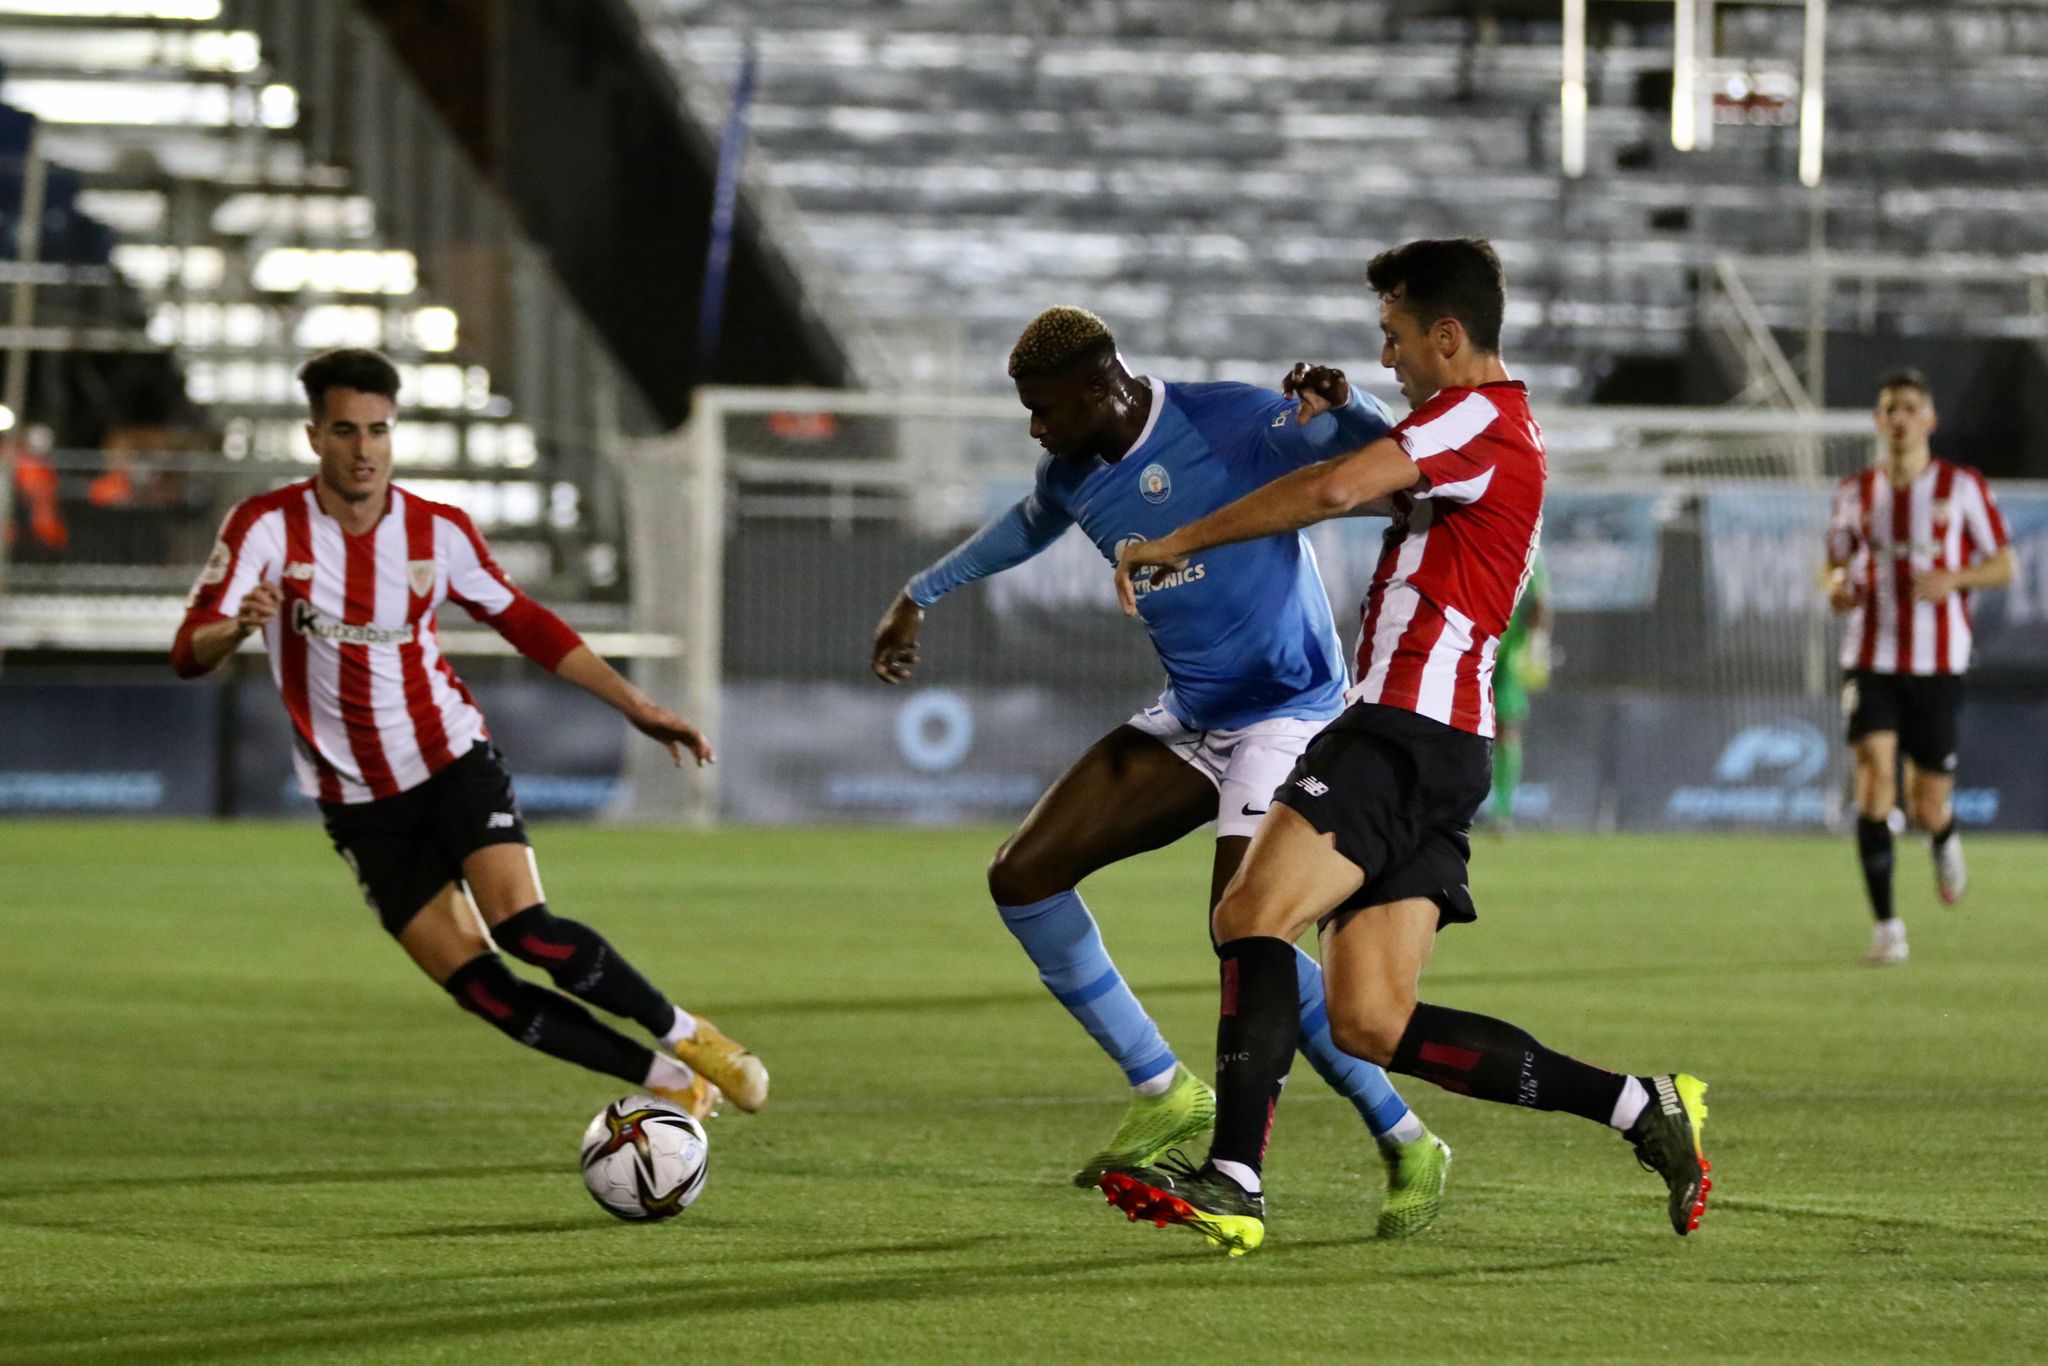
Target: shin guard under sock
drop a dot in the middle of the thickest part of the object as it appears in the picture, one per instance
(1477, 1055)
(1874, 848)
(1255, 1041)
(585, 965)
(542, 1019)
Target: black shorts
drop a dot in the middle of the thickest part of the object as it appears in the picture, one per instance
(1923, 709)
(1398, 791)
(405, 849)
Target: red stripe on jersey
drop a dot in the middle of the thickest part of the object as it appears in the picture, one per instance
(1902, 574)
(1866, 658)
(419, 613)
(1944, 488)
(358, 707)
(1411, 655)
(291, 642)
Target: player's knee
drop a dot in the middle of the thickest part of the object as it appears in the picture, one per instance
(1369, 1029)
(1017, 878)
(563, 949)
(486, 988)
(1242, 913)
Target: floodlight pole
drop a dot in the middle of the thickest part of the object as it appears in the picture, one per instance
(1572, 115)
(1812, 95)
(1692, 52)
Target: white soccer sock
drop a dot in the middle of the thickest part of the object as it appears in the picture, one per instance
(1406, 1129)
(1629, 1107)
(1238, 1172)
(669, 1074)
(684, 1028)
(1158, 1085)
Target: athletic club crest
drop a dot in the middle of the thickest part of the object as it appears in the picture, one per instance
(1155, 483)
(420, 575)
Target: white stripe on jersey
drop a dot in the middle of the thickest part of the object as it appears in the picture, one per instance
(1438, 690)
(1450, 430)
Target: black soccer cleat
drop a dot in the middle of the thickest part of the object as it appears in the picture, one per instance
(1201, 1198)
(1667, 1142)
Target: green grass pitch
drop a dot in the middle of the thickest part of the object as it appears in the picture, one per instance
(235, 1123)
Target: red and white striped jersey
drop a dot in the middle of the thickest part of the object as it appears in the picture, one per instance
(1945, 519)
(1457, 557)
(375, 705)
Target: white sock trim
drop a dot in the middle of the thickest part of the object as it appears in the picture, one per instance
(685, 1027)
(668, 1074)
(1238, 1172)
(1158, 1084)
(1406, 1129)
(1629, 1106)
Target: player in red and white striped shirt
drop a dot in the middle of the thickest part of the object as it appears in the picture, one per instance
(342, 573)
(1369, 837)
(1908, 540)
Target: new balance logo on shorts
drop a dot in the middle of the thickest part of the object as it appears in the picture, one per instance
(1315, 787)
(501, 820)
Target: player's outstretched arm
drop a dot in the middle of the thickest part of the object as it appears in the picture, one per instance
(587, 669)
(1028, 527)
(1289, 503)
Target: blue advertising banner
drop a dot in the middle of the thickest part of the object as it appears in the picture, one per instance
(1601, 549)
(1764, 548)
(109, 748)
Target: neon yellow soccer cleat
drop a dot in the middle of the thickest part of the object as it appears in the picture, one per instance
(1178, 1192)
(1153, 1124)
(1416, 1175)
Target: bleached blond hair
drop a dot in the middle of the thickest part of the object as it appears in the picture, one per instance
(1058, 338)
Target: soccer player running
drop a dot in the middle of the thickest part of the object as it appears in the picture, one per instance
(1908, 540)
(342, 574)
(1370, 835)
(1253, 669)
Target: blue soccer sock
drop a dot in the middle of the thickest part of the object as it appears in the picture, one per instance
(1355, 1079)
(1063, 942)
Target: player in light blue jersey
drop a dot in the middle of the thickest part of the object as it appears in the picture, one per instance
(1253, 670)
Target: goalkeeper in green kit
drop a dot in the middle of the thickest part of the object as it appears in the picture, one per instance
(1521, 668)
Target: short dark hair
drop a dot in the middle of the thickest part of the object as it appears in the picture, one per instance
(1447, 277)
(365, 371)
(1060, 339)
(1906, 377)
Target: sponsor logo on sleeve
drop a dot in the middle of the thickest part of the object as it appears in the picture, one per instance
(217, 564)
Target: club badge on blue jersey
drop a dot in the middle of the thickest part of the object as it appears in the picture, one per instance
(1155, 483)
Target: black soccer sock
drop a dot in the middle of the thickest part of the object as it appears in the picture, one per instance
(1476, 1055)
(1941, 836)
(585, 965)
(1874, 847)
(1255, 1041)
(542, 1019)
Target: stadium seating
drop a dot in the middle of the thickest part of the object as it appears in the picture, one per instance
(1218, 202)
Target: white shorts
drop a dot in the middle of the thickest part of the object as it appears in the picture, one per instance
(1246, 764)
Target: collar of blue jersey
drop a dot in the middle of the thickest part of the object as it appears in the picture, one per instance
(1151, 418)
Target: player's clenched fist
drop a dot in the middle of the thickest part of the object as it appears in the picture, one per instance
(1319, 387)
(1151, 558)
(259, 605)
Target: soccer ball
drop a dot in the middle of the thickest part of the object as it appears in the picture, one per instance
(644, 1159)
